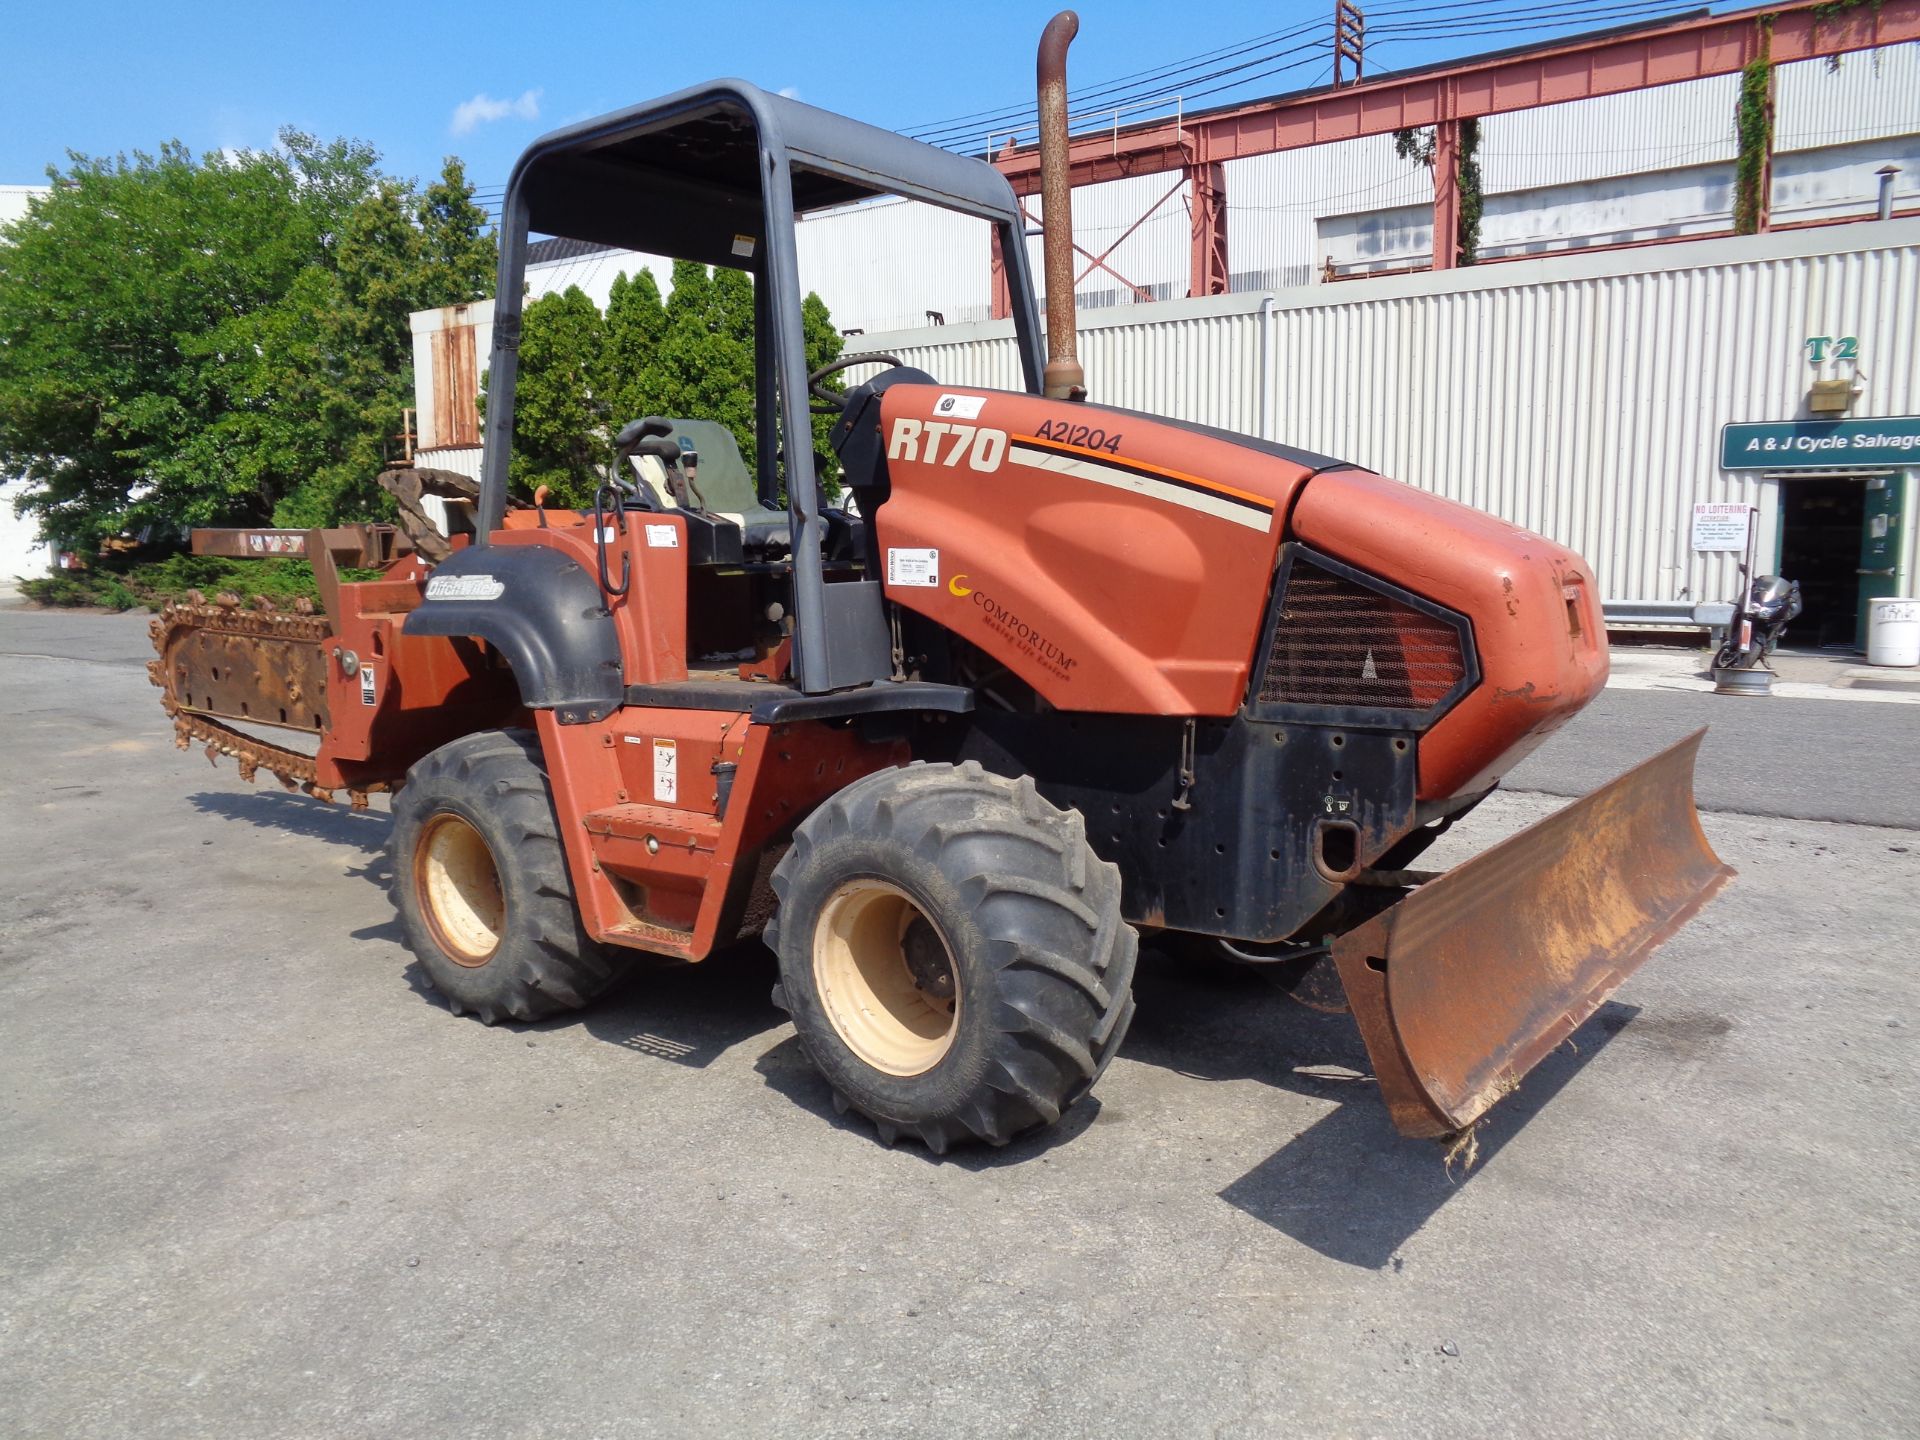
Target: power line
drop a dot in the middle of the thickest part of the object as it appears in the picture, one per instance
(1146, 88)
(1194, 61)
(1124, 82)
(1166, 84)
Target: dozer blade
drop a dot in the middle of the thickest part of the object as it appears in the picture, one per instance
(1465, 985)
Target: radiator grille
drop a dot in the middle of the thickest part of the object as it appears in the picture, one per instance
(1339, 643)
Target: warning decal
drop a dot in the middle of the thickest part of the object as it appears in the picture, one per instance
(666, 771)
(913, 567)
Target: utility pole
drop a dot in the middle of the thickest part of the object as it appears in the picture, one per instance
(1349, 38)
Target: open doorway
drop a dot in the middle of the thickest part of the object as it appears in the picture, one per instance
(1820, 522)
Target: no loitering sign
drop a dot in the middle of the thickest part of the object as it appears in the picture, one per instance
(1721, 527)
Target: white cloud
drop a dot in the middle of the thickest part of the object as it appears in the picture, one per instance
(792, 92)
(483, 109)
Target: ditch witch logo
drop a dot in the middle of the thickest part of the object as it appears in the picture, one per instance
(1003, 621)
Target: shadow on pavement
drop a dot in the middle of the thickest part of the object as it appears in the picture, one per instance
(1356, 1190)
(337, 824)
(364, 830)
(686, 1014)
(1349, 1185)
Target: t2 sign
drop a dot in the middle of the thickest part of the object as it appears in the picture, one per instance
(1821, 348)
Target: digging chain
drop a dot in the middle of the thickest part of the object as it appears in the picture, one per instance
(264, 622)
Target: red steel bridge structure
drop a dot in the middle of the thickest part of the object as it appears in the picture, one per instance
(1192, 150)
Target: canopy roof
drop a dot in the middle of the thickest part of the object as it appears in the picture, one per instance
(682, 175)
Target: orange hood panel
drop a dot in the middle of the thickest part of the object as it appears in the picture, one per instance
(1537, 623)
(1114, 562)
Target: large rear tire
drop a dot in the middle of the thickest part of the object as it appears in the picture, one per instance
(480, 881)
(952, 953)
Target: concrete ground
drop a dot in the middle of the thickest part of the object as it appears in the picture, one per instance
(255, 1180)
(1799, 674)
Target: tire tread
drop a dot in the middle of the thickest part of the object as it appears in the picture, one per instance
(1041, 1063)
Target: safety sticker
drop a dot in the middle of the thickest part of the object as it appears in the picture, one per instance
(663, 537)
(666, 771)
(913, 567)
(366, 685)
(959, 407)
(464, 587)
(743, 246)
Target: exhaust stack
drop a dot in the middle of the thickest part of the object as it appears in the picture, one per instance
(1065, 379)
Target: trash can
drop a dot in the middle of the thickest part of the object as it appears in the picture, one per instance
(1893, 632)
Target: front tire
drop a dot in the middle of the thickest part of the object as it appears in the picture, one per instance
(952, 953)
(480, 881)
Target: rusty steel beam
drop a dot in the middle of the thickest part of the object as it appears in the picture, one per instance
(1691, 49)
(1002, 289)
(1207, 270)
(1446, 195)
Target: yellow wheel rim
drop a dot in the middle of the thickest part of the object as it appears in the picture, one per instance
(886, 978)
(459, 888)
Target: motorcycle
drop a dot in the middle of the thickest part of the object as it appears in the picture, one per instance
(1760, 621)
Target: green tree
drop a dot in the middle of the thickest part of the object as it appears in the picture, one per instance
(203, 341)
(458, 254)
(122, 295)
(694, 355)
(559, 421)
(355, 375)
(636, 323)
(824, 346)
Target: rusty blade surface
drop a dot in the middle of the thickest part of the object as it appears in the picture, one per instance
(1465, 985)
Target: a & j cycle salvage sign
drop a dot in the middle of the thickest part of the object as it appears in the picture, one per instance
(1819, 444)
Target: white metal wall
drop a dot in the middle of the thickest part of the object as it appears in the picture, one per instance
(883, 264)
(1580, 396)
(23, 554)
(1867, 96)
(14, 199)
(1275, 205)
(1146, 221)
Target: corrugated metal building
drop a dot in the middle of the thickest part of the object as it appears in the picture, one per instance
(1581, 396)
(1648, 164)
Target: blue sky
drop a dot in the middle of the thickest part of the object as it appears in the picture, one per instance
(481, 79)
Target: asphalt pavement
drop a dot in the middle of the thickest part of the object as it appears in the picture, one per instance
(1839, 760)
(255, 1180)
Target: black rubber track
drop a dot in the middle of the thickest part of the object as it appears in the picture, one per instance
(1043, 959)
(545, 962)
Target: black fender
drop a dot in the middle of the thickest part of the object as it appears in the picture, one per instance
(543, 612)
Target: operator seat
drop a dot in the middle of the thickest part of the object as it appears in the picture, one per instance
(718, 484)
